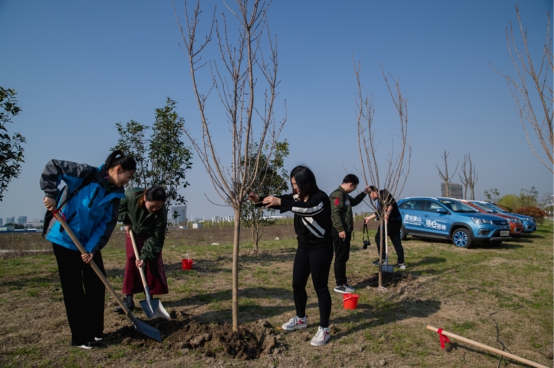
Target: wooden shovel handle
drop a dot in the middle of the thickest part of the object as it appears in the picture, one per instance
(92, 264)
(486, 347)
(141, 269)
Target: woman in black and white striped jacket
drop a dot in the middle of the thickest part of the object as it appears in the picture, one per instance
(312, 224)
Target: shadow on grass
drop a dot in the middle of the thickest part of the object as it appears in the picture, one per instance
(33, 281)
(249, 310)
(367, 316)
(510, 244)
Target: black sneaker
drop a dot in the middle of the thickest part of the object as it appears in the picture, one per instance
(128, 301)
(99, 336)
(402, 266)
(376, 262)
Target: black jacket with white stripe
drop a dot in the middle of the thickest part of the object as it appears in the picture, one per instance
(312, 219)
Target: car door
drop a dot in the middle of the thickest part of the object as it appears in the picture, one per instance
(412, 218)
(437, 219)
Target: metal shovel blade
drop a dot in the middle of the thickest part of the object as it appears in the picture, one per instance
(385, 267)
(145, 329)
(151, 307)
(154, 308)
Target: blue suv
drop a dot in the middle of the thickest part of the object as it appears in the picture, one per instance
(448, 218)
(529, 223)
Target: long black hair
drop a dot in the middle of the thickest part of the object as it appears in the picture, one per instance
(117, 157)
(305, 181)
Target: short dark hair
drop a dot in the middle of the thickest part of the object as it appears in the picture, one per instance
(373, 188)
(305, 180)
(155, 194)
(351, 178)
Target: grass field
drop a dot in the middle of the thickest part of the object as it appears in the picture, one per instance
(500, 296)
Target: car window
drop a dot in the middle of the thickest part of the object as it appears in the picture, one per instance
(432, 206)
(483, 207)
(459, 207)
(411, 205)
(501, 210)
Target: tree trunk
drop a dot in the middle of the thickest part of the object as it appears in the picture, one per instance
(381, 250)
(235, 272)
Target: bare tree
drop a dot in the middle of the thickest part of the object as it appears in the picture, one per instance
(396, 164)
(534, 103)
(248, 71)
(469, 178)
(445, 176)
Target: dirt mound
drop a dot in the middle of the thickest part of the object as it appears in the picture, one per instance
(389, 280)
(212, 340)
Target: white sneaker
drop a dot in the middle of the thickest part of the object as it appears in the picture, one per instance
(344, 289)
(321, 337)
(296, 323)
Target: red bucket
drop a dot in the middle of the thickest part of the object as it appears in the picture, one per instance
(187, 264)
(350, 301)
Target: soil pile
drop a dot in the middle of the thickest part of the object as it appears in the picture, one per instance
(389, 280)
(212, 340)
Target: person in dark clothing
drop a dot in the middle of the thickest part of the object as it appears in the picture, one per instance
(312, 224)
(91, 213)
(386, 205)
(144, 212)
(343, 221)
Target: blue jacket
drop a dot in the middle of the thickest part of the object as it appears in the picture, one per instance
(91, 214)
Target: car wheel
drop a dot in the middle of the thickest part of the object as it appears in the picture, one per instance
(403, 233)
(462, 238)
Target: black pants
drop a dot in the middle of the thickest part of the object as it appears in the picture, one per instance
(317, 262)
(393, 230)
(83, 294)
(342, 254)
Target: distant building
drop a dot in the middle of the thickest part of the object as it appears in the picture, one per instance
(223, 218)
(10, 220)
(36, 223)
(181, 218)
(1, 222)
(22, 220)
(454, 189)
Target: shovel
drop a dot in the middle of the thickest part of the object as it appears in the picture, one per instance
(385, 267)
(140, 326)
(151, 307)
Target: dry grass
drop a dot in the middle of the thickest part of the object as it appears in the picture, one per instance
(497, 296)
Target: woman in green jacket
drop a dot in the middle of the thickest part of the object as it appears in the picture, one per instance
(144, 212)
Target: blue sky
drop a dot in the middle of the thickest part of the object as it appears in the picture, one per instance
(81, 67)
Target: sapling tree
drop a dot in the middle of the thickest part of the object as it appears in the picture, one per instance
(274, 182)
(390, 172)
(162, 158)
(445, 175)
(468, 177)
(531, 89)
(11, 146)
(245, 79)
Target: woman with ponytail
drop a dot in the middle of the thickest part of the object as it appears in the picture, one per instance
(91, 212)
(144, 212)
